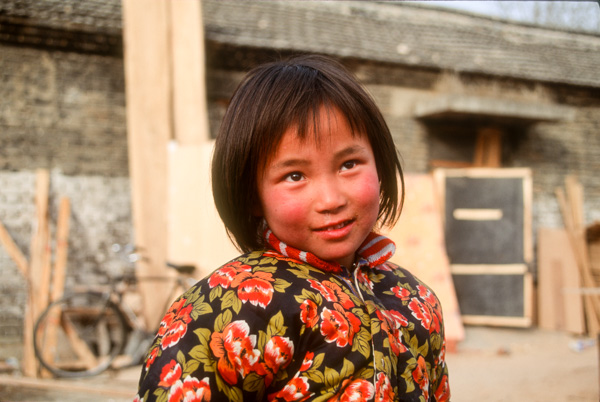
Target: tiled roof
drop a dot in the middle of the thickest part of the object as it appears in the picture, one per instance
(387, 32)
(101, 16)
(409, 35)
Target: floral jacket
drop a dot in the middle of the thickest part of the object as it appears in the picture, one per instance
(282, 325)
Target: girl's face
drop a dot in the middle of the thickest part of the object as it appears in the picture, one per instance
(321, 197)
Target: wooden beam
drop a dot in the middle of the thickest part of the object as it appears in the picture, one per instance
(147, 56)
(190, 111)
(166, 107)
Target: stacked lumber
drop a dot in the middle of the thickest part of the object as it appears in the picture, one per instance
(593, 242)
(45, 281)
(571, 202)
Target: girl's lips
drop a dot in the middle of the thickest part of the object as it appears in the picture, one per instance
(334, 226)
(336, 231)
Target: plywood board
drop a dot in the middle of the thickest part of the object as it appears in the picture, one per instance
(560, 305)
(196, 233)
(420, 248)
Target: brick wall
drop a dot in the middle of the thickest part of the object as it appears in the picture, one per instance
(64, 112)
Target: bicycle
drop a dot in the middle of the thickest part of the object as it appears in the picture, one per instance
(83, 333)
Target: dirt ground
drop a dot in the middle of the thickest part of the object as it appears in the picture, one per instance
(491, 365)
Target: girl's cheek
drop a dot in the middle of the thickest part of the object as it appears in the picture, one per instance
(287, 207)
(367, 190)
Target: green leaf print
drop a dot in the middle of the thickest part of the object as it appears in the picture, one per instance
(276, 326)
(223, 320)
(362, 342)
(215, 293)
(281, 285)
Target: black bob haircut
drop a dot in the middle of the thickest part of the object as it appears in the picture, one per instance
(272, 98)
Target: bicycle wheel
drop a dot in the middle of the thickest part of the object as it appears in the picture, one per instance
(79, 335)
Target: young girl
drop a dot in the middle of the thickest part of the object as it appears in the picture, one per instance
(303, 171)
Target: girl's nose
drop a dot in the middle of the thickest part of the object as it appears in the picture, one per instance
(330, 197)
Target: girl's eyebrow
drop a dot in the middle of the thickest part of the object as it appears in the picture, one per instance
(351, 150)
(292, 162)
(299, 162)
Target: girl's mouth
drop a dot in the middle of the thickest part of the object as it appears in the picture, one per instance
(336, 226)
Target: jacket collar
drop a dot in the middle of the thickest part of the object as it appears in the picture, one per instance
(375, 250)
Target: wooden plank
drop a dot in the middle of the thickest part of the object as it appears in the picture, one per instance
(58, 277)
(489, 269)
(558, 307)
(477, 214)
(419, 237)
(13, 250)
(62, 247)
(148, 74)
(190, 111)
(115, 390)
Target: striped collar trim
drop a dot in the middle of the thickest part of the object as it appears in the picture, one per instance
(375, 250)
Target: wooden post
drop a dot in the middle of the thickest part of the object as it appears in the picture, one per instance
(488, 148)
(58, 278)
(38, 276)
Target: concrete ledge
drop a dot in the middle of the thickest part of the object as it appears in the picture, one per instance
(457, 107)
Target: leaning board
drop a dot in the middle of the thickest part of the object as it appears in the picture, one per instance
(487, 226)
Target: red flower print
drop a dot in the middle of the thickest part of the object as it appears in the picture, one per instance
(278, 355)
(308, 361)
(357, 390)
(427, 295)
(442, 394)
(234, 348)
(420, 311)
(170, 374)
(363, 278)
(332, 292)
(308, 315)
(295, 390)
(384, 392)
(392, 328)
(401, 293)
(339, 325)
(138, 399)
(421, 376)
(151, 357)
(429, 318)
(255, 288)
(174, 325)
(400, 319)
(190, 390)
(225, 275)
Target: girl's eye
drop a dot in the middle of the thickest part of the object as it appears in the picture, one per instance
(294, 176)
(348, 165)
